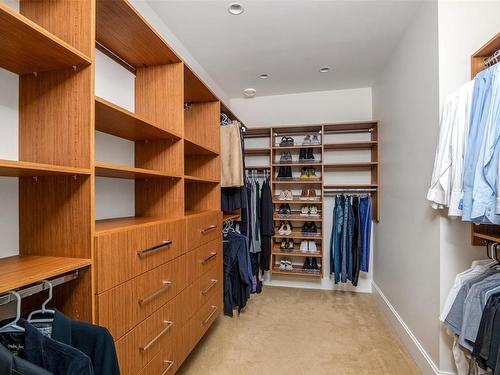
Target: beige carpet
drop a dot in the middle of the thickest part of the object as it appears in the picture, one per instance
(298, 331)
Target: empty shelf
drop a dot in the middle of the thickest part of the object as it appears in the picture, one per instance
(10, 168)
(193, 148)
(192, 179)
(350, 145)
(116, 171)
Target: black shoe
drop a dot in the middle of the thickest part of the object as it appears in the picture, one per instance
(282, 209)
(307, 265)
(312, 227)
(281, 172)
(314, 265)
(288, 209)
(288, 172)
(284, 142)
(302, 154)
(309, 154)
(290, 245)
(290, 141)
(283, 245)
(306, 227)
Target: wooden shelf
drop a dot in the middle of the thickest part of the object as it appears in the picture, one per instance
(298, 164)
(192, 148)
(257, 151)
(197, 212)
(487, 237)
(356, 126)
(295, 147)
(295, 253)
(116, 171)
(296, 200)
(26, 47)
(19, 271)
(110, 225)
(192, 179)
(298, 181)
(194, 89)
(114, 120)
(124, 32)
(298, 218)
(350, 145)
(235, 216)
(262, 167)
(296, 272)
(298, 236)
(10, 168)
(363, 165)
(347, 186)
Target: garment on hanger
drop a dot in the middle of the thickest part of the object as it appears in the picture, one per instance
(11, 364)
(267, 225)
(231, 156)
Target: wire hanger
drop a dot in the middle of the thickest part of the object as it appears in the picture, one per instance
(44, 309)
(13, 326)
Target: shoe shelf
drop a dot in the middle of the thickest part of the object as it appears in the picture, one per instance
(258, 167)
(278, 217)
(350, 145)
(296, 272)
(303, 163)
(295, 147)
(297, 235)
(257, 151)
(365, 165)
(309, 181)
(296, 253)
(296, 200)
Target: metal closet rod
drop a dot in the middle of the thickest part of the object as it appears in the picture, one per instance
(493, 59)
(349, 131)
(305, 132)
(37, 288)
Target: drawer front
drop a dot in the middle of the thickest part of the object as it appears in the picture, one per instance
(157, 334)
(203, 228)
(122, 307)
(203, 258)
(201, 291)
(123, 255)
(160, 365)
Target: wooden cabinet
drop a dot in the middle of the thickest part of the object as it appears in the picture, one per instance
(202, 228)
(202, 258)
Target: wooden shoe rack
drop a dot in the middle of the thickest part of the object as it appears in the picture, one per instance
(155, 279)
(264, 144)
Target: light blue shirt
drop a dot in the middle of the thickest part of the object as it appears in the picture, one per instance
(486, 172)
(480, 105)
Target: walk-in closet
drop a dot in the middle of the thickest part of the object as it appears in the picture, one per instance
(249, 187)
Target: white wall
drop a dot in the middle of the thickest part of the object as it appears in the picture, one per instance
(464, 26)
(406, 264)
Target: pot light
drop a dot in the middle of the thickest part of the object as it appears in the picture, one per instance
(235, 9)
(249, 93)
(264, 76)
(324, 69)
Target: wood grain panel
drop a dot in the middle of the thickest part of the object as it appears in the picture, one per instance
(119, 309)
(160, 155)
(203, 228)
(11, 168)
(118, 171)
(55, 216)
(202, 196)
(159, 96)
(202, 166)
(117, 257)
(477, 59)
(202, 126)
(159, 197)
(202, 258)
(194, 88)
(122, 30)
(55, 111)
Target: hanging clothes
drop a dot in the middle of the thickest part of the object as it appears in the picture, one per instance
(267, 225)
(231, 156)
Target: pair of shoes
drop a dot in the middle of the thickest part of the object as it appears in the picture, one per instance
(306, 173)
(308, 246)
(314, 140)
(286, 244)
(286, 157)
(309, 211)
(285, 210)
(308, 195)
(285, 172)
(286, 195)
(286, 142)
(285, 265)
(285, 228)
(309, 228)
(306, 154)
(310, 265)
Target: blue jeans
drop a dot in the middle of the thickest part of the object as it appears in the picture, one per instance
(349, 244)
(365, 213)
(336, 238)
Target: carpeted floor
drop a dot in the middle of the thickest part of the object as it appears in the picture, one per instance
(298, 331)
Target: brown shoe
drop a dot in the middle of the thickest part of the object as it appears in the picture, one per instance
(304, 195)
(311, 194)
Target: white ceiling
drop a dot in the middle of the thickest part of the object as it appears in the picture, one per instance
(289, 40)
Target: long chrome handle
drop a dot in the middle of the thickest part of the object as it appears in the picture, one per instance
(210, 257)
(155, 248)
(157, 337)
(166, 285)
(209, 229)
(211, 314)
(170, 364)
(213, 283)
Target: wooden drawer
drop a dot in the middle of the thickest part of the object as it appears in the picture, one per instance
(203, 258)
(123, 255)
(201, 291)
(121, 308)
(158, 334)
(160, 365)
(202, 228)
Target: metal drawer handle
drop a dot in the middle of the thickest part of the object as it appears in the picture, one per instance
(213, 283)
(209, 229)
(157, 337)
(211, 314)
(212, 255)
(155, 248)
(170, 364)
(164, 288)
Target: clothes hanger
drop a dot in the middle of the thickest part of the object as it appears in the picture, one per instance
(13, 326)
(44, 309)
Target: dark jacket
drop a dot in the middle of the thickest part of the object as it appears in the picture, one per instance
(14, 365)
(96, 342)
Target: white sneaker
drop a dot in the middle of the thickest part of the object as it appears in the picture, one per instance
(313, 211)
(282, 230)
(304, 211)
(304, 247)
(282, 266)
(288, 265)
(312, 247)
(288, 195)
(287, 229)
(282, 196)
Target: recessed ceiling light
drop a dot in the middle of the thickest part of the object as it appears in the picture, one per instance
(249, 93)
(264, 76)
(324, 69)
(236, 9)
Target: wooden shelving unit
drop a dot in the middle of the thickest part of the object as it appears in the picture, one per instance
(116, 171)
(323, 166)
(9, 168)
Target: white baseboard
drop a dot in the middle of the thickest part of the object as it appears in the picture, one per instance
(410, 341)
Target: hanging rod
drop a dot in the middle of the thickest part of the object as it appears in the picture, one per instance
(332, 191)
(312, 132)
(493, 59)
(345, 131)
(37, 288)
